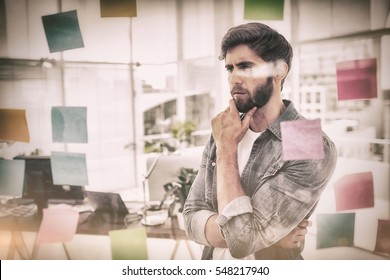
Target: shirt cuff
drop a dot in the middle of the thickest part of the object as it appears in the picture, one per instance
(236, 207)
(199, 221)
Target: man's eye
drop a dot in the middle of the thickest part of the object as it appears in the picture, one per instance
(245, 66)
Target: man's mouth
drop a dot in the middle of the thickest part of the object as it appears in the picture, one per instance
(238, 93)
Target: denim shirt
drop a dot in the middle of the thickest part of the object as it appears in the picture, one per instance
(279, 195)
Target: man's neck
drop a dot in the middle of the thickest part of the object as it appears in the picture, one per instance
(266, 115)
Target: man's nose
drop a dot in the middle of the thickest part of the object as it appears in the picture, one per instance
(235, 77)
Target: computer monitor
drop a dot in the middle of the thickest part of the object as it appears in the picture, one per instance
(165, 170)
(38, 184)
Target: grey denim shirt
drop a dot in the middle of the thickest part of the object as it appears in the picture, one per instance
(279, 194)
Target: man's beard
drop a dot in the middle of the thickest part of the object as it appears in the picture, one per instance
(262, 94)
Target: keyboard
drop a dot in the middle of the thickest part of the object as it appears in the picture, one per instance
(18, 210)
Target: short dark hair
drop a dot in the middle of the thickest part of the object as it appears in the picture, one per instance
(269, 44)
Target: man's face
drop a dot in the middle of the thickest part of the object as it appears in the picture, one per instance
(250, 78)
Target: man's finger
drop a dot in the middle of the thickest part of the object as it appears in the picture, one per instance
(232, 106)
(305, 223)
(248, 117)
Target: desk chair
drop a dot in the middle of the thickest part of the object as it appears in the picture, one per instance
(58, 225)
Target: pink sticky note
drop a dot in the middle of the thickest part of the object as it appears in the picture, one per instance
(58, 225)
(354, 191)
(302, 139)
(356, 79)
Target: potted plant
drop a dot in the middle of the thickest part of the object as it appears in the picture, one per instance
(182, 131)
(180, 190)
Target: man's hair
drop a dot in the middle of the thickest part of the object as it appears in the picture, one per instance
(268, 44)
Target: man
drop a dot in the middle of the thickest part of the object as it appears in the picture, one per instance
(246, 201)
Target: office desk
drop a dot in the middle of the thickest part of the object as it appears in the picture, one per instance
(97, 224)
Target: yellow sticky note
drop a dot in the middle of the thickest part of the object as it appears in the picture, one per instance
(13, 125)
(129, 244)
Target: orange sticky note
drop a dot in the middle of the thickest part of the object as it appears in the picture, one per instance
(383, 237)
(58, 225)
(13, 125)
(118, 8)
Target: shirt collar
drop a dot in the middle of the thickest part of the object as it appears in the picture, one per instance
(290, 113)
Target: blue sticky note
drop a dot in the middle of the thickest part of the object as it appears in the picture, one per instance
(11, 177)
(69, 124)
(62, 31)
(335, 229)
(69, 169)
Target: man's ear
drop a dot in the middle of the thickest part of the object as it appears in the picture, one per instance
(280, 70)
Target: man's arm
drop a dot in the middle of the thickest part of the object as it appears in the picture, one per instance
(228, 130)
(290, 241)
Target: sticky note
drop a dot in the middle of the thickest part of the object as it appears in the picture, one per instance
(335, 229)
(69, 169)
(118, 8)
(13, 126)
(58, 225)
(11, 177)
(356, 79)
(264, 9)
(302, 140)
(62, 31)
(69, 124)
(354, 191)
(382, 244)
(129, 244)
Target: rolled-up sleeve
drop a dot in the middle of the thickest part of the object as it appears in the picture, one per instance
(197, 226)
(236, 207)
(196, 212)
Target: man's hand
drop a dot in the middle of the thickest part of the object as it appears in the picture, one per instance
(296, 236)
(228, 128)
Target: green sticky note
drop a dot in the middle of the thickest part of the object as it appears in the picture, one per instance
(62, 31)
(128, 244)
(264, 9)
(335, 230)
